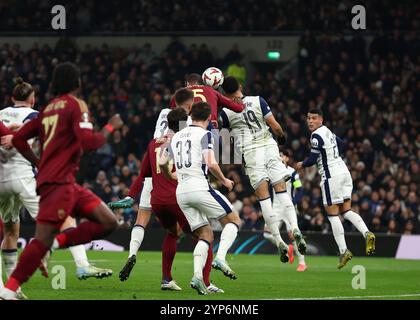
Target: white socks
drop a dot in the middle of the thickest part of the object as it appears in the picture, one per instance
(137, 235)
(270, 238)
(79, 256)
(286, 205)
(10, 260)
(301, 257)
(200, 256)
(229, 233)
(338, 231)
(271, 220)
(357, 221)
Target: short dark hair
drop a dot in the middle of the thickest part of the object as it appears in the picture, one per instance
(316, 111)
(200, 111)
(182, 95)
(66, 78)
(175, 117)
(193, 78)
(22, 90)
(230, 85)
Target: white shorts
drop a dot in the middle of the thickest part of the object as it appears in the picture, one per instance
(146, 195)
(199, 206)
(336, 189)
(265, 164)
(17, 193)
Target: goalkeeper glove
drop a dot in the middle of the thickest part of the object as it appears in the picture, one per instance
(125, 203)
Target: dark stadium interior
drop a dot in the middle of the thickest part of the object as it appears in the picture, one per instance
(370, 93)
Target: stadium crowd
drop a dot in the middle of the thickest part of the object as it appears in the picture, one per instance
(370, 99)
(234, 16)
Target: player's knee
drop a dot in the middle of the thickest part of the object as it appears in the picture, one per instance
(204, 233)
(112, 224)
(11, 232)
(234, 218)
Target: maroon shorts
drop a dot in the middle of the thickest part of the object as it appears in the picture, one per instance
(58, 201)
(169, 215)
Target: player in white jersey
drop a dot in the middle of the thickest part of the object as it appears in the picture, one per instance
(184, 98)
(295, 191)
(263, 165)
(336, 184)
(192, 152)
(18, 188)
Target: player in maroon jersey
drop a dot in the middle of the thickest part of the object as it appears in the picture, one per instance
(165, 206)
(64, 132)
(207, 94)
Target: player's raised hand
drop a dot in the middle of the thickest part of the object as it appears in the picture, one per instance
(116, 121)
(299, 166)
(229, 184)
(6, 141)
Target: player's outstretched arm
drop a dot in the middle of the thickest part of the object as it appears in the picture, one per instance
(215, 170)
(277, 129)
(316, 143)
(83, 128)
(222, 101)
(20, 140)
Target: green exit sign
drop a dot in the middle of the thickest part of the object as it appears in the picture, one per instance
(273, 55)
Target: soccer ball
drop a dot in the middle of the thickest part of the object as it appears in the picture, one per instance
(213, 77)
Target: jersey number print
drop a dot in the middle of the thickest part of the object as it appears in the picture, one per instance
(251, 119)
(184, 152)
(50, 125)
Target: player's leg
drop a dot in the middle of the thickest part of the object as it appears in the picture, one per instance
(331, 197)
(56, 203)
(30, 259)
(168, 220)
(100, 222)
(137, 236)
(295, 250)
(137, 232)
(143, 217)
(357, 221)
(338, 232)
(184, 226)
(9, 246)
(78, 252)
(271, 218)
(169, 247)
(348, 214)
(9, 253)
(9, 212)
(288, 213)
(205, 236)
(268, 236)
(214, 205)
(84, 269)
(189, 203)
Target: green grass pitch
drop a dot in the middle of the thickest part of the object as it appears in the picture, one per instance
(259, 277)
